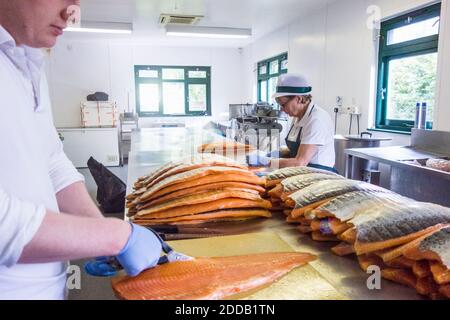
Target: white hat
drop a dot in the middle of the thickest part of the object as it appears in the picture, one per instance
(292, 85)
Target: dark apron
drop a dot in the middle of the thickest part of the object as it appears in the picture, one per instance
(293, 147)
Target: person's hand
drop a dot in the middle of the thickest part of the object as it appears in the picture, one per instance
(258, 159)
(141, 252)
(274, 154)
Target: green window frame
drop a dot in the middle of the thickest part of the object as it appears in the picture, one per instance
(388, 53)
(157, 79)
(265, 77)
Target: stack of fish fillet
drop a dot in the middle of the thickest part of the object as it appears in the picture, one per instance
(226, 147)
(408, 240)
(198, 189)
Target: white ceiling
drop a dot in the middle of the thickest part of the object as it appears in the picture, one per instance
(262, 16)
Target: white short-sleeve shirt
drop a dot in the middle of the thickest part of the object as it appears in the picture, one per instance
(33, 169)
(316, 128)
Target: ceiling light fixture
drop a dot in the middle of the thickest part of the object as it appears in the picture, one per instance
(208, 32)
(103, 27)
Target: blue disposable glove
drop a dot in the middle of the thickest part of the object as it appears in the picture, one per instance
(258, 159)
(141, 252)
(274, 154)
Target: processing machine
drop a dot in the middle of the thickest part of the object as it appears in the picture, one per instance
(257, 124)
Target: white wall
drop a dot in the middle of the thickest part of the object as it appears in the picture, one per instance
(336, 50)
(78, 68)
(332, 46)
(270, 46)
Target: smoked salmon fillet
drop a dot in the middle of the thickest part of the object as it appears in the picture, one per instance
(189, 160)
(209, 179)
(197, 199)
(193, 175)
(391, 254)
(221, 204)
(402, 276)
(279, 175)
(343, 249)
(348, 205)
(445, 290)
(192, 166)
(395, 225)
(435, 246)
(232, 214)
(327, 189)
(210, 187)
(208, 278)
(225, 147)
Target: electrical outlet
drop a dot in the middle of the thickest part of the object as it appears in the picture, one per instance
(112, 158)
(345, 110)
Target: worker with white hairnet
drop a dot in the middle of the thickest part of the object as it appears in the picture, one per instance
(310, 141)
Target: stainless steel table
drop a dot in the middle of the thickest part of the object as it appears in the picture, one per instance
(151, 148)
(399, 174)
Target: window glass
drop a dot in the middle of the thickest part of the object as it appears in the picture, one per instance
(263, 88)
(149, 97)
(148, 73)
(172, 91)
(197, 74)
(407, 70)
(197, 97)
(413, 31)
(173, 74)
(272, 88)
(173, 98)
(263, 69)
(411, 80)
(274, 67)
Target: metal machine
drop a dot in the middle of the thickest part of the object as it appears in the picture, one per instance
(256, 124)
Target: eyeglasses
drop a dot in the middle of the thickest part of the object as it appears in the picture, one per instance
(284, 103)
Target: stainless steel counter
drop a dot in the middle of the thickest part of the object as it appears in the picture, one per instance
(154, 147)
(397, 174)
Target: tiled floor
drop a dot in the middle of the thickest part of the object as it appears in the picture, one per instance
(93, 288)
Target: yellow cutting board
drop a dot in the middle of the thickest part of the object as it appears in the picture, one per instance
(303, 283)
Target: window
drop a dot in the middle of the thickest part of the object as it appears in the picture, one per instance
(407, 68)
(268, 72)
(173, 91)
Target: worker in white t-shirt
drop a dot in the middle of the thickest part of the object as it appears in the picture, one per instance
(46, 214)
(310, 140)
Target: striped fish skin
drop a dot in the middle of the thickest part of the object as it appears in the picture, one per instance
(346, 206)
(398, 220)
(295, 171)
(439, 243)
(300, 182)
(327, 189)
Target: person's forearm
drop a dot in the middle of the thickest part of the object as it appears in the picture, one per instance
(304, 155)
(63, 237)
(75, 200)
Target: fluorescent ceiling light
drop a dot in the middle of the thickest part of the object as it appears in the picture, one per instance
(103, 27)
(208, 32)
